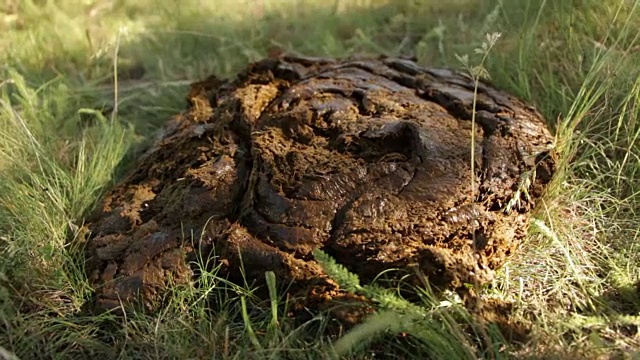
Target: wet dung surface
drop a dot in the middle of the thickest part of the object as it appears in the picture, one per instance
(367, 159)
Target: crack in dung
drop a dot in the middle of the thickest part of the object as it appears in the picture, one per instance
(404, 186)
(358, 97)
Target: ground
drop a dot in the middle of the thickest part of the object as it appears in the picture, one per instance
(71, 129)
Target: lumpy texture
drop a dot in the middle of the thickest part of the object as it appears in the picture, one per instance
(366, 159)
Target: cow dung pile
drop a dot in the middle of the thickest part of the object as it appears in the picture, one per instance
(366, 159)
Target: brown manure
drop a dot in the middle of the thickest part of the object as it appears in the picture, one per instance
(367, 159)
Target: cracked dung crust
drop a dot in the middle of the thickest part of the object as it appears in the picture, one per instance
(366, 159)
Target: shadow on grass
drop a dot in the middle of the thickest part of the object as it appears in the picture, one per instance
(623, 300)
(202, 43)
(185, 43)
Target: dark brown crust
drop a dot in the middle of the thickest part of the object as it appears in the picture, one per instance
(367, 159)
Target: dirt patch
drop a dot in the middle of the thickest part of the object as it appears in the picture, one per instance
(366, 159)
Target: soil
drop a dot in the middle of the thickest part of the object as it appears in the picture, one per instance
(367, 159)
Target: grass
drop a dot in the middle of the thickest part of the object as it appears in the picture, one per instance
(62, 146)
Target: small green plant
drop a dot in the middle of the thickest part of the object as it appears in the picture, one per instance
(436, 325)
(477, 72)
(350, 282)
